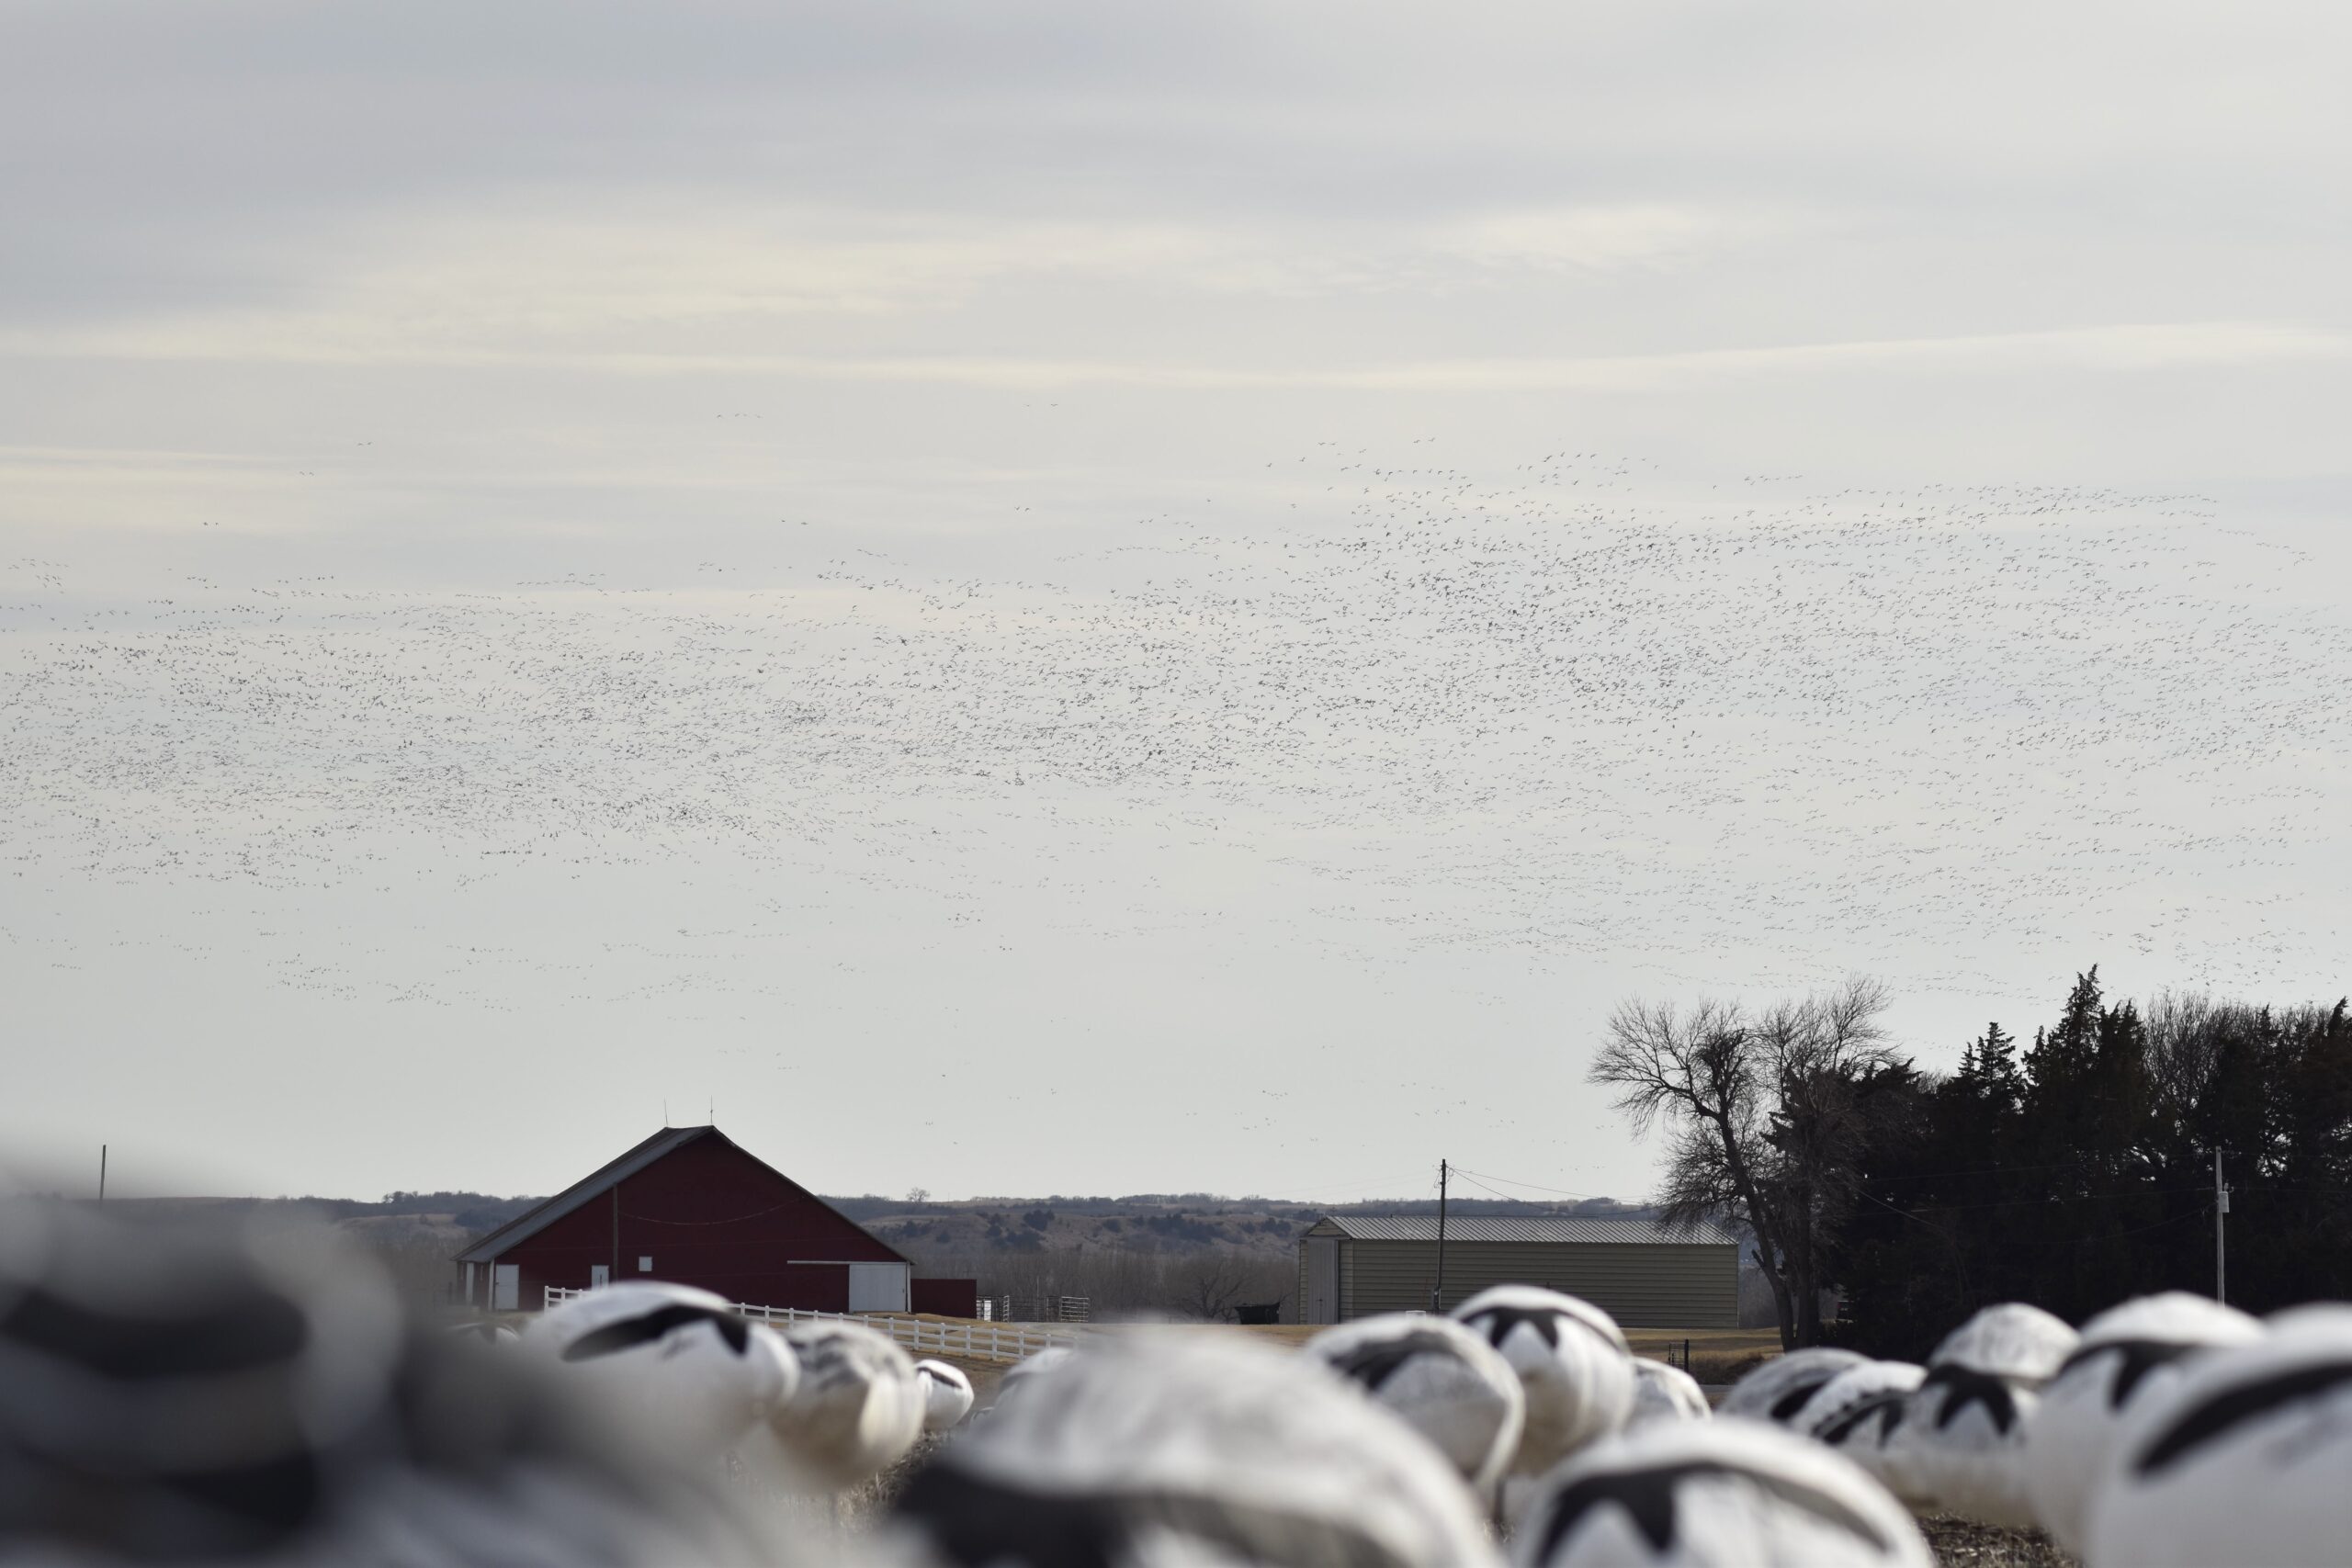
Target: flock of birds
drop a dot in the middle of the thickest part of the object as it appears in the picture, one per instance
(1552, 713)
(172, 1397)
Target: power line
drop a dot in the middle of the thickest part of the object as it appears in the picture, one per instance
(1530, 1185)
(1483, 1187)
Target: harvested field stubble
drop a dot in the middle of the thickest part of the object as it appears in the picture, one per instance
(1960, 1544)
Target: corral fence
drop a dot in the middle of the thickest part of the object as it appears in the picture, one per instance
(974, 1341)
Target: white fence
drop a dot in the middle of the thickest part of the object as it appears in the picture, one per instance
(975, 1341)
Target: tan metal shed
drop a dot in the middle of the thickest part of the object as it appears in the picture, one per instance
(1352, 1265)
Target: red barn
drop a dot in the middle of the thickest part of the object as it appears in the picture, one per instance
(692, 1206)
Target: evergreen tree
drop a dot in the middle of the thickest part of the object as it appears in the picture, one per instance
(2082, 1173)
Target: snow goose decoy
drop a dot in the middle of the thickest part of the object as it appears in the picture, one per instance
(1715, 1495)
(1183, 1450)
(1445, 1382)
(1666, 1394)
(1024, 1374)
(859, 1410)
(1964, 1427)
(245, 1399)
(2127, 1353)
(1779, 1390)
(485, 1333)
(1858, 1412)
(679, 1360)
(1572, 1364)
(2243, 1459)
(947, 1394)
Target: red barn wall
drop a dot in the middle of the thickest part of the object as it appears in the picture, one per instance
(944, 1298)
(709, 1214)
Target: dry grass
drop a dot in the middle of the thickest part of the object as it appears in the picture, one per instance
(1706, 1341)
(1717, 1355)
(1959, 1544)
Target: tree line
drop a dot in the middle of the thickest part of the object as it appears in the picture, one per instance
(2070, 1171)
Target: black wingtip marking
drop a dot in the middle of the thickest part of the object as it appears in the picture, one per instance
(253, 1330)
(1496, 1322)
(2234, 1407)
(982, 1523)
(1887, 1407)
(1965, 1386)
(1376, 1362)
(1794, 1400)
(2139, 1358)
(1648, 1498)
(630, 1332)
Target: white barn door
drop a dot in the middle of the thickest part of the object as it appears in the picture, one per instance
(599, 1275)
(1322, 1279)
(505, 1286)
(878, 1287)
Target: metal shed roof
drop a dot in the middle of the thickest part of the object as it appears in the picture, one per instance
(1619, 1230)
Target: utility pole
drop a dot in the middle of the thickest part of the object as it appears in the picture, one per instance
(102, 1173)
(1437, 1296)
(2221, 1253)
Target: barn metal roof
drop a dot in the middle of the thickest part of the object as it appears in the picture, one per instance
(1611, 1229)
(531, 1222)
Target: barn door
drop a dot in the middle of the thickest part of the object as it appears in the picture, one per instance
(877, 1287)
(505, 1286)
(1322, 1279)
(599, 1275)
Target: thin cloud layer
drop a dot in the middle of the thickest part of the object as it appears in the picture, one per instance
(977, 568)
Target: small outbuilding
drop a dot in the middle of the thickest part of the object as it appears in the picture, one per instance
(692, 1206)
(1352, 1265)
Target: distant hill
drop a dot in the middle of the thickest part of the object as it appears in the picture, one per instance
(939, 1234)
(1144, 1221)
(472, 1214)
(1185, 1254)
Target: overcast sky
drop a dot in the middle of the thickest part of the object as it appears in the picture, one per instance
(1071, 598)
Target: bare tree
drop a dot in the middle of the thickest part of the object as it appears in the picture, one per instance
(1765, 1120)
(1210, 1286)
